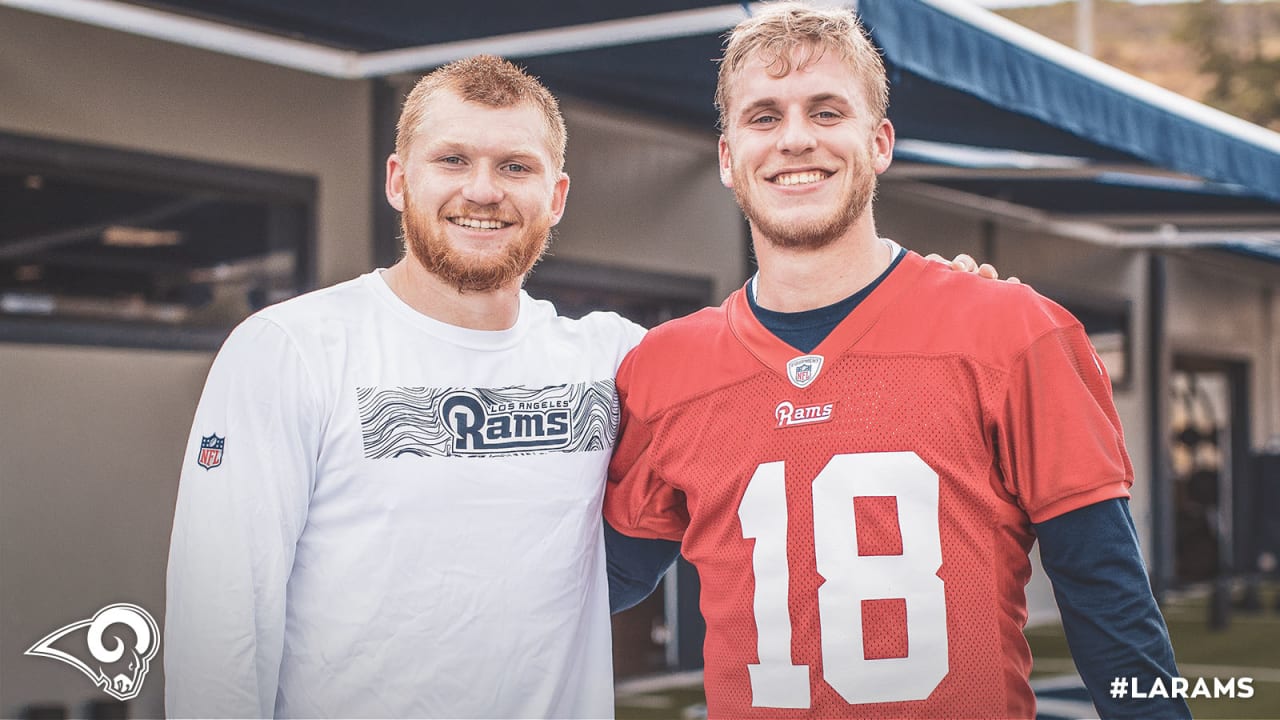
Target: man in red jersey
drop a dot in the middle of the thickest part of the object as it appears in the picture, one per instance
(858, 449)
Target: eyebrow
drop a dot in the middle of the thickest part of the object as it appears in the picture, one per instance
(818, 99)
(757, 105)
(829, 97)
(519, 154)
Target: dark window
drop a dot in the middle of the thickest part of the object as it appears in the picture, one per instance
(101, 246)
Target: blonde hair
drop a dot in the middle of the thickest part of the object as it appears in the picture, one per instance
(781, 28)
(488, 80)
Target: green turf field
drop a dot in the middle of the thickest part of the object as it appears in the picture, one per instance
(1249, 647)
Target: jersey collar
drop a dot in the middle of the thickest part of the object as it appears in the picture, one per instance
(776, 354)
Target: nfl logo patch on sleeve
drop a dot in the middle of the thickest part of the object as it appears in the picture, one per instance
(210, 455)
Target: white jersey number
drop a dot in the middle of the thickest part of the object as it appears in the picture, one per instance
(850, 579)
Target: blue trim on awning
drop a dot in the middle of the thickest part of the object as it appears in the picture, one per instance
(927, 42)
(1094, 196)
(1256, 251)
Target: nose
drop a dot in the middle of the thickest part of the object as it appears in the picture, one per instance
(483, 187)
(797, 136)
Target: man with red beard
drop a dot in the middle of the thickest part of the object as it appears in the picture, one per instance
(858, 449)
(391, 501)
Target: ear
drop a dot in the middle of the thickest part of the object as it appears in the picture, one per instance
(882, 146)
(395, 182)
(726, 164)
(559, 196)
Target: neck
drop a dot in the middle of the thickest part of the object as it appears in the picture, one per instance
(794, 280)
(437, 299)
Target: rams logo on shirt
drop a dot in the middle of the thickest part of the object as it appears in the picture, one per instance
(478, 422)
(481, 429)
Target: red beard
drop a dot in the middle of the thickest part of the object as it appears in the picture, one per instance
(465, 271)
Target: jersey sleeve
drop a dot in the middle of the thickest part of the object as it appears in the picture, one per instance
(238, 518)
(1059, 442)
(637, 501)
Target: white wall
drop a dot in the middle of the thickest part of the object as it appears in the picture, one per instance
(90, 453)
(648, 196)
(91, 439)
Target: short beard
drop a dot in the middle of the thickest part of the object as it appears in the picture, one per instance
(441, 259)
(818, 233)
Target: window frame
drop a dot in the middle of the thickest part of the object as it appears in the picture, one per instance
(117, 166)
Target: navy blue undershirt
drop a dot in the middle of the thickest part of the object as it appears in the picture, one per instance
(805, 330)
(1091, 555)
(1111, 620)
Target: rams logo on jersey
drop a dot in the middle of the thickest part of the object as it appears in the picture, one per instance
(480, 429)
(788, 414)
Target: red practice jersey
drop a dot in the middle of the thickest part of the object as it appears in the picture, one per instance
(860, 516)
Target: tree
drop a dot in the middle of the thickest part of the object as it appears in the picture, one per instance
(1246, 82)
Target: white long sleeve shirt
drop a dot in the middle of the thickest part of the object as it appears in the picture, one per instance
(382, 515)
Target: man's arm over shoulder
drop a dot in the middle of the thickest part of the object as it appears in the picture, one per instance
(242, 502)
(1112, 623)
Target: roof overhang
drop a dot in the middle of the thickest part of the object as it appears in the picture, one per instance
(990, 116)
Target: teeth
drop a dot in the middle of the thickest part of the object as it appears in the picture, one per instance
(800, 178)
(476, 224)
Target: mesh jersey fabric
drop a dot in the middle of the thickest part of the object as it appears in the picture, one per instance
(404, 520)
(862, 541)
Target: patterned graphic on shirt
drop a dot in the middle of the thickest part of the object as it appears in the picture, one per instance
(487, 422)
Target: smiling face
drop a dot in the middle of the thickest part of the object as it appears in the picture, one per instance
(479, 191)
(801, 150)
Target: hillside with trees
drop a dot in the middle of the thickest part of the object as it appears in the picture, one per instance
(1226, 55)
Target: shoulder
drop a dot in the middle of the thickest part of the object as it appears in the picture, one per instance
(691, 333)
(991, 318)
(963, 292)
(601, 339)
(298, 330)
(603, 327)
(346, 299)
(681, 359)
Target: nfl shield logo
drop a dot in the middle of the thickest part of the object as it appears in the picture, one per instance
(804, 370)
(210, 451)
